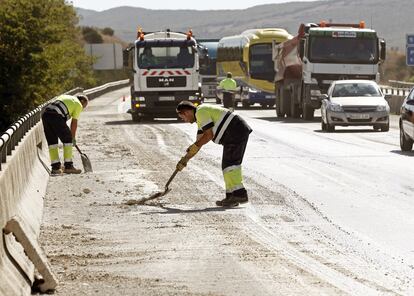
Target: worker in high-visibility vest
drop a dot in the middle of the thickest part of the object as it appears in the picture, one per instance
(229, 86)
(54, 119)
(222, 127)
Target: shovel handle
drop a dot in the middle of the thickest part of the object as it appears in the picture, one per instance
(171, 178)
(77, 148)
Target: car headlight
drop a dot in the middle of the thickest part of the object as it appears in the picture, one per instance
(335, 108)
(381, 108)
(252, 90)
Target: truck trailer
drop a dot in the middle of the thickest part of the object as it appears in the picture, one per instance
(306, 65)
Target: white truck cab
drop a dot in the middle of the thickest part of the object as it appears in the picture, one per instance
(165, 68)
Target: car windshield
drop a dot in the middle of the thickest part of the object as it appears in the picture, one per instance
(355, 90)
(152, 57)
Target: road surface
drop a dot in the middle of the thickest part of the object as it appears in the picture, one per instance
(329, 213)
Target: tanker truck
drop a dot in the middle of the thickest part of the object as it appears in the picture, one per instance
(306, 65)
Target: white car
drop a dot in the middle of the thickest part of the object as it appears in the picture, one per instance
(354, 103)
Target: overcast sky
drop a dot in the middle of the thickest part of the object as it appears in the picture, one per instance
(100, 5)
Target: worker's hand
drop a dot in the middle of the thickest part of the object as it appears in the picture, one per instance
(181, 164)
(192, 150)
(74, 141)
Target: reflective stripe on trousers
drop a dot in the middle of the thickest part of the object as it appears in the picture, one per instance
(231, 165)
(233, 179)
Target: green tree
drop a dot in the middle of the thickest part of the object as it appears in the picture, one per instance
(40, 55)
(91, 35)
(108, 31)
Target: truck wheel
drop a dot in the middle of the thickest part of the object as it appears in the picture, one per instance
(278, 105)
(323, 126)
(136, 117)
(307, 112)
(295, 112)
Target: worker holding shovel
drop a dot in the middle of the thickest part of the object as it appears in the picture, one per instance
(54, 119)
(225, 128)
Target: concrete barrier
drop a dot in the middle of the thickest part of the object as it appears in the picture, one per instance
(23, 182)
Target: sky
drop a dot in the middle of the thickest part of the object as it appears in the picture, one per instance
(100, 5)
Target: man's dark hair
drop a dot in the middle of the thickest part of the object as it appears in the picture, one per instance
(185, 105)
(82, 97)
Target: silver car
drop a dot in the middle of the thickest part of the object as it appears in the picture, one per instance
(407, 123)
(354, 103)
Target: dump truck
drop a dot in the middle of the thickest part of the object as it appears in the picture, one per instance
(306, 65)
(165, 71)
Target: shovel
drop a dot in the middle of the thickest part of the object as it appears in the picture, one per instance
(87, 166)
(161, 193)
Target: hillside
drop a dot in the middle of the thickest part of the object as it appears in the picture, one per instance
(391, 18)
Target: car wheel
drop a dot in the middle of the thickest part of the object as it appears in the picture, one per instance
(330, 128)
(385, 127)
(376, 127)
(405, 144)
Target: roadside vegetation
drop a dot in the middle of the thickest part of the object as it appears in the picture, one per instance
(395, 68)
(41, 55)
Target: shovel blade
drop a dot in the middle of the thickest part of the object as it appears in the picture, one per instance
(87, 166)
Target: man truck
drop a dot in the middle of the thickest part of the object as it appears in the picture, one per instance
(165, 71)
(306, 65)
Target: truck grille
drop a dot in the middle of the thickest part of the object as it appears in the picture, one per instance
(172, 81)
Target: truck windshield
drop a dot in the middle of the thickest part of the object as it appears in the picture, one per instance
(261, 63)
(325, 49)
(152, 57)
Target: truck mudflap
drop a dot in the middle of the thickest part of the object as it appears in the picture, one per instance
(160, 104)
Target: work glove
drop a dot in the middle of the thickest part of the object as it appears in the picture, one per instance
(73, 141)
(192, 150)
(182, 164)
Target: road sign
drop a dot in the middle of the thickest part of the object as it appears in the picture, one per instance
(410, 55)
(410, 39)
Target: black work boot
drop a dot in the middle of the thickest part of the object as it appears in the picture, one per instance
(227, 202)
(70, 169)
(240, 196)
(56, 169)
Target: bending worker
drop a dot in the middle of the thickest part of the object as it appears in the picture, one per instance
(225, 128)
(229, 86)
(54, 122)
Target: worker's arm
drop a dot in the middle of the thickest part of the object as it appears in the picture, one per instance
(73, 127)
(205, 137)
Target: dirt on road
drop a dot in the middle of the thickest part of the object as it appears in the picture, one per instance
(98, 243)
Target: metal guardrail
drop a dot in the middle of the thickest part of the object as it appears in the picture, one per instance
(15, 132)
(395, 91)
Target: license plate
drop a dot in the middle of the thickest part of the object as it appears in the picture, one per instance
(166, 98)
(359, 116)
(269, 97)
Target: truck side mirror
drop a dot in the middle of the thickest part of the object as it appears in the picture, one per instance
(382, 50)
(302, 48)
